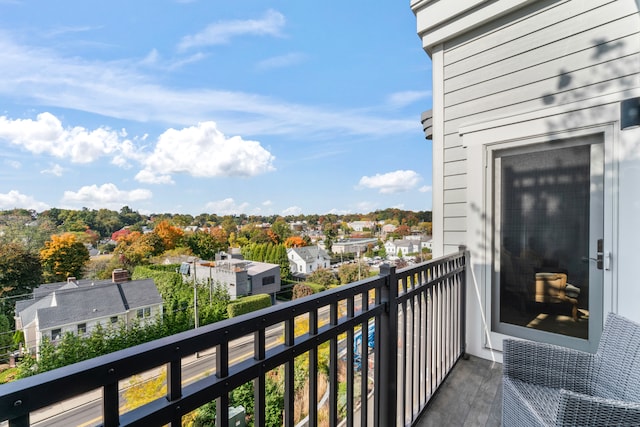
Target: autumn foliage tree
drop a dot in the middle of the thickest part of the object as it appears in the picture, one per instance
(294, 242)
(63, 256)
(170, 235)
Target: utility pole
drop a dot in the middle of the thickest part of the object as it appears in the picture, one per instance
(195, 301)
(195, 296)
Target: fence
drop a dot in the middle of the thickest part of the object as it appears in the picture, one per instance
(416, 315)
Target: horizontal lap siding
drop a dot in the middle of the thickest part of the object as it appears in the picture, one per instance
(547, 54)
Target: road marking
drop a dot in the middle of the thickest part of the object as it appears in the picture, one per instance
(184, 382)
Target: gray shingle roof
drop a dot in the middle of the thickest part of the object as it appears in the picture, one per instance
(311, 253)
(82, 301)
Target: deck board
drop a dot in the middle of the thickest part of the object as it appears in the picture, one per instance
(471, 396)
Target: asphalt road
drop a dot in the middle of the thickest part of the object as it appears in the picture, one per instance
(89, 412)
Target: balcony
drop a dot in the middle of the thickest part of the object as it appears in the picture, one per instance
(381, 347)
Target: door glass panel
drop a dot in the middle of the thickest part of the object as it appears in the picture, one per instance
(548, 216)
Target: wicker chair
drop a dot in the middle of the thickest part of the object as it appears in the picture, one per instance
(547, 385)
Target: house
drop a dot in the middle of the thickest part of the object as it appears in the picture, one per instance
(353, 246)
(387, 229)
(241, 277)
(360, 226)
(401, 247)
(307, 259)
(78, 306)
(536, 162)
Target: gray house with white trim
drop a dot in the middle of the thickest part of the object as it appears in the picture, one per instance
(78, 306)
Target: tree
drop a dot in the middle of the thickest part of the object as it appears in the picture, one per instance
(403, 230)
(349, 273)
(169, 234)
(204, 245)
(63, 256)
(20, 272)
(281, 229)
(6, 338)
(323, 276)
(294, 242)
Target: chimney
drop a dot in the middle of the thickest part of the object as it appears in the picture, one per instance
(71, 279)
(119, 275)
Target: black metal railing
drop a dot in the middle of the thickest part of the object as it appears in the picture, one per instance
(391, 340)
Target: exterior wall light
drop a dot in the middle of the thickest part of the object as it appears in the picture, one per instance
(630, 113)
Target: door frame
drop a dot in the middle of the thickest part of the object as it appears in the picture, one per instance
(532, 128)
(596, 319)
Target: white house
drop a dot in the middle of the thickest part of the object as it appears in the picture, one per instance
(360, 226)
(78, 306)
(536, 162)
(307, 259)
(401, 247)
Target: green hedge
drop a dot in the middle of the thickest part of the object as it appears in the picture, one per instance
(248, 304)
(316, 287)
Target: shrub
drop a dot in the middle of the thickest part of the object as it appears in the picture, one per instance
(304, 289)
(248, 304)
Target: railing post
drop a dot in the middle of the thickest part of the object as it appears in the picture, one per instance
(387, 361)
(466, 260)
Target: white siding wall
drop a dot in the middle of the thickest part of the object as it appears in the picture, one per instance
(546, 54)
(568, 61)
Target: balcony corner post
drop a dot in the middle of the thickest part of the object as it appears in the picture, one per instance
(387, 386)
(466, 263)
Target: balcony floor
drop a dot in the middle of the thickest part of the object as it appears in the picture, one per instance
(471, 396)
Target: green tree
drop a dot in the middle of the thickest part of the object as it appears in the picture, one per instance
(281, 229)
(323, 276)
(204, 245)
(6, 338)
(349, 273)
(20, 273)
(63, 256)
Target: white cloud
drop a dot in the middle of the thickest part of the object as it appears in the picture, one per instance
(425, 189)
(106, 196)
(226, 207)
(46, 135)
(13, 164)
(56, 170)
(392, 182)
(292, 210)
(121, 90)
(281, 61)
(336, 211)
(149, 177)
(222, 32)
(267, 203)
(14, 199)
(204, 151)
(402, 99)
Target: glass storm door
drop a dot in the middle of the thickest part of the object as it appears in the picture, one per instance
(548, 229)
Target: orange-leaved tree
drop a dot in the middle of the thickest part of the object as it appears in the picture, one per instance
(294, 242)
(169, 234)
(63, 256)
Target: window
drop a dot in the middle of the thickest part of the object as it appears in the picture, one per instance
(56, 334)
(147, 312)
(82, 328)
(268, 280)
(140, 313)
(114, 319)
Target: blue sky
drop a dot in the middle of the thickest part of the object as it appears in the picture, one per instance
(256, 107)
